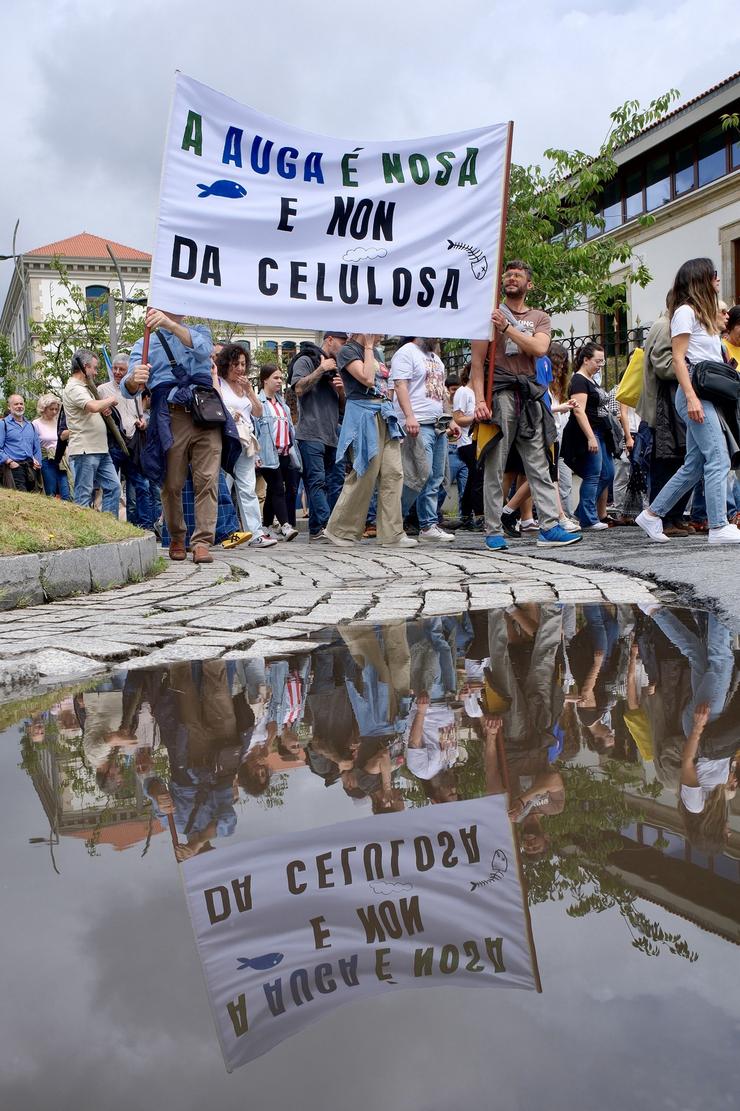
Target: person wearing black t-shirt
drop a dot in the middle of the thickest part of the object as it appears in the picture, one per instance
(585, 445)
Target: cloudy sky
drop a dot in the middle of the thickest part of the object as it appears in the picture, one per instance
(85, 86)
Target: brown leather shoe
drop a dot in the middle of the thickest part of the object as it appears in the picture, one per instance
(621, 521)
(177, 550)
(201, 554)
(675, 530)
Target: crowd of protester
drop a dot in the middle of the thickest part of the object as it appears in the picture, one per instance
(400, 715)
(205, 452)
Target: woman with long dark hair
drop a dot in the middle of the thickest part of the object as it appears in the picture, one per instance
(276, 437)
(586, 439)
(693, 309)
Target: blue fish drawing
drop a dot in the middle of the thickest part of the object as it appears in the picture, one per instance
(268, 960)
(222, 188)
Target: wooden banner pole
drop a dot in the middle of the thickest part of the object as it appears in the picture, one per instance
(501, 750)
(501, 262)
(145, 346)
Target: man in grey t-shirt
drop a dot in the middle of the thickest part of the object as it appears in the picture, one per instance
(318, 389)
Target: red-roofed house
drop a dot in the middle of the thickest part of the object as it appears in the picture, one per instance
(35, 286)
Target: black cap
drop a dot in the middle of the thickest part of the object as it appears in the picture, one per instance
(336, 335)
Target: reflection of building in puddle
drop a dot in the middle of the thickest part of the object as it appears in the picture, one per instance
(68, 782)
(659, 863)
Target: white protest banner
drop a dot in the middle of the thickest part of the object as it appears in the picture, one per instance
(262, 222)
(290, 927)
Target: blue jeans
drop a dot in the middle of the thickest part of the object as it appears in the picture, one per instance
(55, 480)
(598, 472)
(245, 480)
(711, 661)
(426, 498)
(323, 479)
(699, 502)
(372, 510)
(706, 455)
(458, 477)
(138, 498)
(93, 471)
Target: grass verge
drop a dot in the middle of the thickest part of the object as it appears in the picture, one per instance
(32, 523)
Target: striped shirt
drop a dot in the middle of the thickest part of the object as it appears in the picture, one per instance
(282, 428)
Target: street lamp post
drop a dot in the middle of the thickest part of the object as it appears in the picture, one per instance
(18, 260)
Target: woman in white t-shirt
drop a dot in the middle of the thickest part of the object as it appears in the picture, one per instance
(692, 307)
(707, 785)
(239, 397)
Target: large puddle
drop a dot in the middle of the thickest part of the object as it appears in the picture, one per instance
(304, 865)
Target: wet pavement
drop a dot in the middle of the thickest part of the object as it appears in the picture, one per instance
(250, 602)
(298, 863)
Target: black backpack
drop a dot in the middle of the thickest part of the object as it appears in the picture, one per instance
(314, 353)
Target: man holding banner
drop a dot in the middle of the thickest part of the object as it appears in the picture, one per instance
(519, 415)
(174, 441)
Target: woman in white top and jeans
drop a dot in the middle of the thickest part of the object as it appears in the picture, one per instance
(692, 307)
(237, 393)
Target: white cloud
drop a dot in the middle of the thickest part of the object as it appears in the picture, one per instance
(86, 87)
(363, 254)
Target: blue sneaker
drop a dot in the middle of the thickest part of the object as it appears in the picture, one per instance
(496, 544)
(557, 537)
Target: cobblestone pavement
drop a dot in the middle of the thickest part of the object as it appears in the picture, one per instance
(260, 604)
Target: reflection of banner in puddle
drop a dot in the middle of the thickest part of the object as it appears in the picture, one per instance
(290, 927)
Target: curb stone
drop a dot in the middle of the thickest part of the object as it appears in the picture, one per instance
(49, 576)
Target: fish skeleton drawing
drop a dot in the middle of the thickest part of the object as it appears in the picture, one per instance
(222, 188)
(499, 864)
(478, 261)
(268, 960)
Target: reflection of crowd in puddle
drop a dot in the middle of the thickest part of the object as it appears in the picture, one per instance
(407, 713)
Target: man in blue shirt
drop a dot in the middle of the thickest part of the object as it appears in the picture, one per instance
(172, 431)
(20, 448)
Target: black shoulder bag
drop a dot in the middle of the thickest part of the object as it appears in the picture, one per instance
(206, 407)
(717, 382)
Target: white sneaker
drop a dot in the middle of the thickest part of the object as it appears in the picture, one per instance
(287, 532)
(437, 535)
(727, 534)
(339, 542)
(598, 527)
(653, 526)
(264, 540)
(409, 542)
(569, 524)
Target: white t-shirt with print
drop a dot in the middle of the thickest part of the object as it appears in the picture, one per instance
(425, 374)
(464, 402)
(430, 759)
(701, 344)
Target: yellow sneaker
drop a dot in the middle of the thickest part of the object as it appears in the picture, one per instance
(236, 539)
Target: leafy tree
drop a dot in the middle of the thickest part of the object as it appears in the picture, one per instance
(549, 208)
(75, 322)
(264, 356)
(11, 372)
